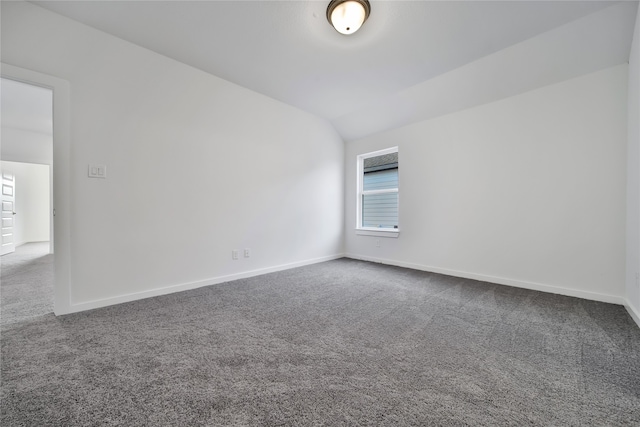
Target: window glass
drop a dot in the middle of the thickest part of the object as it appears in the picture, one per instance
(380, 210)
(378, 195)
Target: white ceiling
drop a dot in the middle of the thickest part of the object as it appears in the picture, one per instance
(26, 107)
(397, 69)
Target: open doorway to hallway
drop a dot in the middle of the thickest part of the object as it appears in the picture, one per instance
(27, 225)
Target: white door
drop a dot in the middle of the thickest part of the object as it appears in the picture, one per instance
(8, 207)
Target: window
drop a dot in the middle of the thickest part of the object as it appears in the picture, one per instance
(378, 191)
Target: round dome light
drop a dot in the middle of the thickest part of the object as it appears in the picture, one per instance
(347, 16)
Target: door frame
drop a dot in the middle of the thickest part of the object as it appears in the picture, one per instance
(6, 176)
(61, 178)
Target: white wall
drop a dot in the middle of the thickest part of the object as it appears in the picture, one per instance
(527, 191)
(32, 201)
(196, 166)
(19, 145)
(633, 178)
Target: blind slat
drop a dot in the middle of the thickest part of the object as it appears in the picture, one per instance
(380, 210)
(379, 180)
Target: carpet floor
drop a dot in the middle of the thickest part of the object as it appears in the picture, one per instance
(27, 283)
(343, 342)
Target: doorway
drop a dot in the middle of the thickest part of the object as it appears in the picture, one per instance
(26, 153)
(26, 163)
(60, 179)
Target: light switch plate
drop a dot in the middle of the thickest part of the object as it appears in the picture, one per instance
(97, 171)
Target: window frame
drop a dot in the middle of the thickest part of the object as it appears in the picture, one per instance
(371, 231)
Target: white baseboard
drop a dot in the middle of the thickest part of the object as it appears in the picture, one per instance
(90, 305)
(594, 296)
(635, 315)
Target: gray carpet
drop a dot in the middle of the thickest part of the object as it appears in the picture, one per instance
(338, 343)
(27, 283)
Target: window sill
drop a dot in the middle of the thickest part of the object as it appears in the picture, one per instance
(377, 233)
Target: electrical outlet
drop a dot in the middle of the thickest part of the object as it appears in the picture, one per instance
(234, 254)
(377, 243)
(247, 253)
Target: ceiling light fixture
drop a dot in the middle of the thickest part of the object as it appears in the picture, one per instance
(347, 16)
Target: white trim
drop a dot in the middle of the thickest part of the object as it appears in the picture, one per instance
(89, 305)
(635, 315)
(378, 153)
(60, 173)
(360, 182)
(594, 296)
(378, 232)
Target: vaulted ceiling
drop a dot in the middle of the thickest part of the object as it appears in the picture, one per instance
(410, 61)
